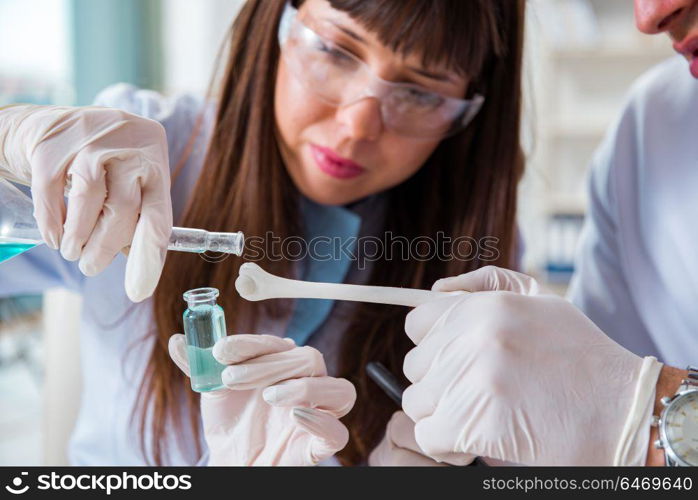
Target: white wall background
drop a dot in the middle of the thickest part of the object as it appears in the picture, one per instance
(35, 56)
(193, 33)
(32, 44)
(583, 55)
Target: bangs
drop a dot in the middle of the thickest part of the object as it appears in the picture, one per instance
(459, 34)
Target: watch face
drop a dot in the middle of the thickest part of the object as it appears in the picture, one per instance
(681, 427)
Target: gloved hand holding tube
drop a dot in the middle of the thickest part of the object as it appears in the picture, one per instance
(523, 378)
(115, 169)
(279, 406)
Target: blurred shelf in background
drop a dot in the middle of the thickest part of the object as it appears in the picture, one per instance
(36, 60)
(64, 52)
(582, 59)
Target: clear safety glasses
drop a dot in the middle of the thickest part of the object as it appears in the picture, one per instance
(340, 78)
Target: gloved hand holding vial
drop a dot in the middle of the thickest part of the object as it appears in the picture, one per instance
(276, 404)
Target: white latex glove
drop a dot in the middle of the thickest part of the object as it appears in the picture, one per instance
(115, 167)
(524, 379)
(489, 278)
(279, 408)
(398, 447)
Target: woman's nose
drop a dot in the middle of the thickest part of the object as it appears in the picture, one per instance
(362, 120)
(657, 16)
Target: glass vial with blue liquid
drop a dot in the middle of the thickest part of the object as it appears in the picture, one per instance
(204, 325)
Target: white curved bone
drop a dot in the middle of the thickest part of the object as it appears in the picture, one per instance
(254, 283)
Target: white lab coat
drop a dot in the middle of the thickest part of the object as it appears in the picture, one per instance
(637, 264)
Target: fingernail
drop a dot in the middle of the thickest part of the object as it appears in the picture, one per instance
(136, 293)
(309, 420)
(440, 283)
(234, 375)
(290, 340)
(270, 395)
(220, 349)
(137, 282)
(276, 394)
(181, 361)
(69, 249)
(181, 345)
(87, 268)
(52, 241)
(305, 414)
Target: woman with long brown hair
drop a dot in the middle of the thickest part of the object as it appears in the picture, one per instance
(341, 118)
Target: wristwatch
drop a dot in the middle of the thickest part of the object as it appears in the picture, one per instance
(678, 424)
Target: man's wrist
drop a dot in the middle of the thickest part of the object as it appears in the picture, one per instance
(668, 383)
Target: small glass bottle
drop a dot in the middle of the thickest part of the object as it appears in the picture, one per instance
(204, 325)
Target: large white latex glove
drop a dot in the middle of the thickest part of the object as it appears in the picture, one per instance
(489, 278)
(523, 378)
(279, 407)
(398, 447)
(115, 168)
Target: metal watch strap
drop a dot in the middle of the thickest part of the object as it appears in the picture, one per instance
(691, 381)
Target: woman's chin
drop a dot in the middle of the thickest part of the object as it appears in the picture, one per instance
(331, 192)
(333, 198)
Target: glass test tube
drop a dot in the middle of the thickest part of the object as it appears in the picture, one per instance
(204, 325)
(184, 239)
(19, 231)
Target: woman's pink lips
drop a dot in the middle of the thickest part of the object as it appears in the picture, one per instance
(334, 165)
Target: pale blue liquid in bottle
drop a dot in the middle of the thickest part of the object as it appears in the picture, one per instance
(204, 325)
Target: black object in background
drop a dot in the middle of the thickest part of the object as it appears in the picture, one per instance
(392, 387)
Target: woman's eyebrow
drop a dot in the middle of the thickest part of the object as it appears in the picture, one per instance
(441, 77)
(347, 31)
